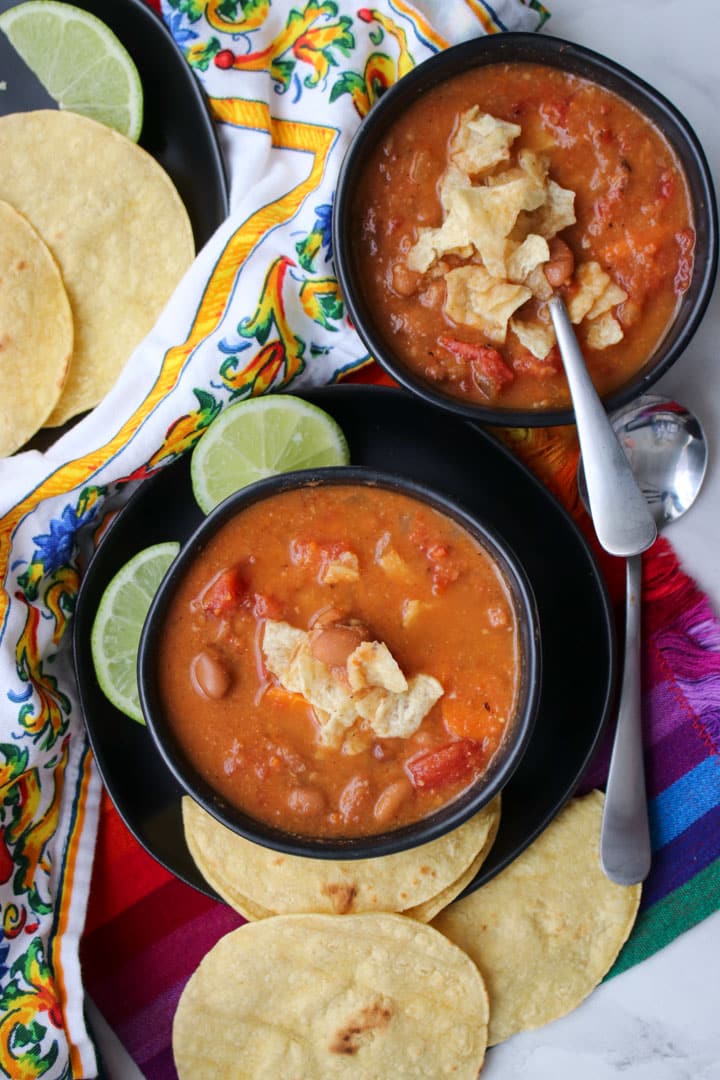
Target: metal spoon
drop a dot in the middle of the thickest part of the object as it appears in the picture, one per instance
(622, 521)
(665, 446)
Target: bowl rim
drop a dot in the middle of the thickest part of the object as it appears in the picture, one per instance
(545, 49)
(451, 814)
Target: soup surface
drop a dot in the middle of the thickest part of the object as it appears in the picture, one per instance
(632, 228)
(340, 660)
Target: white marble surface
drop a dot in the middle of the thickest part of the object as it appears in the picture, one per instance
(661, 1020)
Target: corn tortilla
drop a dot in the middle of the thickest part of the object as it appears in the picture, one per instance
(427, 910)
(545, 931)
(116, 226)
(260, 882)
(36, 331)
(314, 997)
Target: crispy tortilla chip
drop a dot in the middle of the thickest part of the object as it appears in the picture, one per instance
(372, 664)
(394, 716)
(316, 996)
(557, 213)
(433, 243)
(546, 930)
(36, 331)
(330, 698)
(604, 332)
(539, 284)
(489, 214)
(452, 180)
(259, 882)
(116, 226)
(533, 252)
(591, 281)
(481, 216)
(280, 640)
(538, 337)
(368, 695)
(612, 296)
(477, 299)
(535, 165)
(481, 141)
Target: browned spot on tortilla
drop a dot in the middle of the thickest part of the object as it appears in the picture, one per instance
(279, 860)
(426, 870)
(348, 1038)
(342, 894)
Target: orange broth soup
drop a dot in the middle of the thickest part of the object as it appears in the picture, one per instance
(633, 218)
(341, 565)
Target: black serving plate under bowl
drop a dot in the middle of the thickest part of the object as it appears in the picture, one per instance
(453, 813)
(387, 429)
(579, 61)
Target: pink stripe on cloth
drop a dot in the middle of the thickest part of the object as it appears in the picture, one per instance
(681, 676)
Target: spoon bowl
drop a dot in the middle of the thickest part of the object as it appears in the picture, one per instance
(666, 448)
(623, 523)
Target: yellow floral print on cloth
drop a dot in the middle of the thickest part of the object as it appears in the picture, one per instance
(258, 311)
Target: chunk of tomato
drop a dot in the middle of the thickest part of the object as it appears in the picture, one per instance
(489, 370)
(225, 594)
(448, 764)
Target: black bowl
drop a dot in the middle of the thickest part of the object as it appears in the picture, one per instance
(443, 820)
(577, 60)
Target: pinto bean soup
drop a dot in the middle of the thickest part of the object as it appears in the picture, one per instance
(633, 218)
(340, 573)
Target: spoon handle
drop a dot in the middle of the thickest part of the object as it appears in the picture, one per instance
(622, 520)
(625, 835)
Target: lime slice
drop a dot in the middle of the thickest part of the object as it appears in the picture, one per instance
(115, 636)
(262, 437)
(79, 61)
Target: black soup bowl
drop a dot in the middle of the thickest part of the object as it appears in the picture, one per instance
(451, 814)
(575, 60)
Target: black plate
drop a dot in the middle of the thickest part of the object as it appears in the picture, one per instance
(389, 430)
(177, 128)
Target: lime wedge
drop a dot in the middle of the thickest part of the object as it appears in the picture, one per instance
(115, 636)
(262, 437)
(79, 61)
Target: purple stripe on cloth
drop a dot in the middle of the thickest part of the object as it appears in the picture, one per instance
(686, 801)
(684, 857)
(668, 760)
(663, 713)
(149, 1031)
(161, 1067)
(690, 662)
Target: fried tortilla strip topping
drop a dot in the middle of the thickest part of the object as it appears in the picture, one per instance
(371, 687)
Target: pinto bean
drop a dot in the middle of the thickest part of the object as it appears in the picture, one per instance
(326, 616)
(390, 800)
(561, 265)
(404, 280)
(333, 644)
(354, 798)
(209, 675)
(307, 801)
